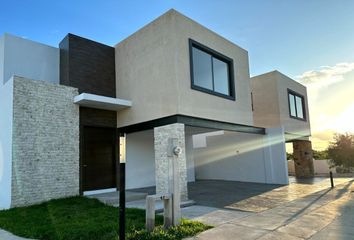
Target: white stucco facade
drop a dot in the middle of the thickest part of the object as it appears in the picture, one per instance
(6, 113)
(2, 38)
(23, 57)
(140, 166)
(243, 157)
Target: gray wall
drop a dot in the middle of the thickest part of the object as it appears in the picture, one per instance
(153, 70)
(23, 57)
(271, 104)
(45, 161)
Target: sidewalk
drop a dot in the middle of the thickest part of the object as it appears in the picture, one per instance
(9, 236)
(327, 214)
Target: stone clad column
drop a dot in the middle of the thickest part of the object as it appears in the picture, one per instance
(163, 160)
(303, 158)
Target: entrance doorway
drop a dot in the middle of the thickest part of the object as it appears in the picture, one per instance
(98, 162)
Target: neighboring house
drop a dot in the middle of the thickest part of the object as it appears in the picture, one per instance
(280, 101)
(171, 79)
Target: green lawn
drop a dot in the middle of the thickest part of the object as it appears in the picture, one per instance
(84, 218)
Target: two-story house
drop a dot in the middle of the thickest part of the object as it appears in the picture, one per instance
(63, 108)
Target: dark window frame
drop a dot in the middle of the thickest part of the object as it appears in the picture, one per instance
(295, 94)
(219, 56)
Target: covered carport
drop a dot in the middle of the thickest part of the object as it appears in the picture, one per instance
(212, 150)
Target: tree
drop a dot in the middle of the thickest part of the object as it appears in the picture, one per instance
(341, 150)
(289, 156)
(320, 155)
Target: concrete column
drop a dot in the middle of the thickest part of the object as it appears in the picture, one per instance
(275, 164)
(303, 158)
(163, 162)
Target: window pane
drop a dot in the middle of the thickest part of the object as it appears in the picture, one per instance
(221, 78)
(299, 110)
(202, 73)
(292, 105)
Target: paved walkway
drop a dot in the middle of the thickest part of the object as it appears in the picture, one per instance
(4, 235)
(325, 214)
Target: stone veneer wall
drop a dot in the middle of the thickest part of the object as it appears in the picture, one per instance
(303, 159)
(163, 161)
(45, 142)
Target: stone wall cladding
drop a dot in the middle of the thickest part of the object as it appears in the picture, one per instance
(45, 142)
(162, 161)
(303, 159)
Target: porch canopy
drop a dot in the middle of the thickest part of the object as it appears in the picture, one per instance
(193, 122)
(101, 102)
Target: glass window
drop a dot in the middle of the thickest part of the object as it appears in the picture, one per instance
(292, 105)
(221, 76)
(299, 110)
(296, 105)
(202, 69)
(211, 71)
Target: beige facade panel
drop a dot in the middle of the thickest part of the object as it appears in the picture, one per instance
(153, 71)
(271, 103)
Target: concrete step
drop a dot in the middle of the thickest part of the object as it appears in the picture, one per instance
(112, 198)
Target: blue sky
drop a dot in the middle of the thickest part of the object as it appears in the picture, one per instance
(291, 36)
(311, 41)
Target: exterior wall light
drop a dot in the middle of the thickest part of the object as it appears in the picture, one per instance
(177, 151)
(122, 160)
(122, 148)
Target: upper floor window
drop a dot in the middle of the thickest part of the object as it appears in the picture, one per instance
(211, 72)
(296, 105)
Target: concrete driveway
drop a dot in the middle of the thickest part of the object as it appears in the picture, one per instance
(221, 194)
(254, 197)
(298, 211)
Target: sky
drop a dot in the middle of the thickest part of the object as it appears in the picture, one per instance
(310, 41)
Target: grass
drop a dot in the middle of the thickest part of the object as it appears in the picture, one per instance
(83, 218)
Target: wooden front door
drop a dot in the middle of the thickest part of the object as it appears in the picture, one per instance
(98, 163)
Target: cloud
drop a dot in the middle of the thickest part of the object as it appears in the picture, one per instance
(331, 105)
(326, 75)
(320, 140)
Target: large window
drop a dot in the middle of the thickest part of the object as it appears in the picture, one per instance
(211, 72)
(296, 105)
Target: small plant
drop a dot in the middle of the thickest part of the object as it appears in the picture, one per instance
(185, 229)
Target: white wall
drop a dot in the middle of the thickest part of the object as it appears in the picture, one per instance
(1, 59)
(275, 156)
(6, 116)
(242, 157)
(29, 59)
(140, 166)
